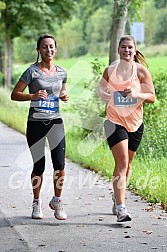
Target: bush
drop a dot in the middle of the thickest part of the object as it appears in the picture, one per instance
(159, 80)
(91, 107)
(155, 134)
(79, 50)
(99, 49)
(24, 50)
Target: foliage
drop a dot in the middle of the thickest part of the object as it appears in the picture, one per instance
(69, 38)
(21, 14)
(77, 36)
(161, 35)
(159, 80)
(24, 50)
(135, 7)
(83, 32)
(90, 107)
(154, 140)
(95, 27)
(148, 18)
(2, 5)
(37, 16)
(87, 8)
(160, 4)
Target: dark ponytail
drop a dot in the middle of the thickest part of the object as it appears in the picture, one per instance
(37, 58)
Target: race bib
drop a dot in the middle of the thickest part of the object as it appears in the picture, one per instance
(51, 104)
(121, 100)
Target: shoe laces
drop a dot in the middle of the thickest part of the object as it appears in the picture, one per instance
(59, 205)
(36, 207)
(123, 210)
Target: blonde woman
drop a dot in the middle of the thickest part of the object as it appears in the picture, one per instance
(125, 86)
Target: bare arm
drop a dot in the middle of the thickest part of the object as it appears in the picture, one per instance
(19, 95)
(63, 93)
(103, 89)
(147, 93)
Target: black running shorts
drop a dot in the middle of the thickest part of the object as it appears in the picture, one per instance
(116, 133)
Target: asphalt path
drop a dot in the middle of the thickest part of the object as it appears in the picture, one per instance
(90, 226)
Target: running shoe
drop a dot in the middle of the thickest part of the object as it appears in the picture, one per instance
(123, 215)
(59, 212)
(37, 211)
(114, 207)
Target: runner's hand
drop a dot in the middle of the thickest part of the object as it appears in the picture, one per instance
(40, 94)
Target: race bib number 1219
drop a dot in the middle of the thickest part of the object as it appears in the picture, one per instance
(49, 105)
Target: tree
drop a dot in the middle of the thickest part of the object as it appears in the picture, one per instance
(160, 4)
(121, 10)
(98, 21)
(36, 15)
(86, 9)
(69, 36)
(160, 35)
(98, 30)
(2, 7)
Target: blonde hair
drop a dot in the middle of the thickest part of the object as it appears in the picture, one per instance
(138, 57)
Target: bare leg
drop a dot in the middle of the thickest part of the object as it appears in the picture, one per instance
(120, 153)
(36, 184)
(58, 180)
(129, 170)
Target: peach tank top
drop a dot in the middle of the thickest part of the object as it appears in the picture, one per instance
(122, 110)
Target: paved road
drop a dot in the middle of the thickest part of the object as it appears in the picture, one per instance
(90, 227)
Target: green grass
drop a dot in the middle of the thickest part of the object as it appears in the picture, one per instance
(157, 64)
(149, 178)
(13, 114)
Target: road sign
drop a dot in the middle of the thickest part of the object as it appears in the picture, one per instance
(137, 31)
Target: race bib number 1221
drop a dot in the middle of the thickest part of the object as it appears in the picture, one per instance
(121, 100)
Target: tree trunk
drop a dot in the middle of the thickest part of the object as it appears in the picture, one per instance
(119, 20)
(8, 61)
(7, 68)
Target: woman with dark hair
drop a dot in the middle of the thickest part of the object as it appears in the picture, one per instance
(47, 85)
(125, 85)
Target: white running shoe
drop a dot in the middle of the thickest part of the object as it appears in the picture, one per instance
(37, 211)
(59, 213)
(114, 207)
(123, 215)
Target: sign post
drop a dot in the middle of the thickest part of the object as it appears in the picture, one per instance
(137, 31)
